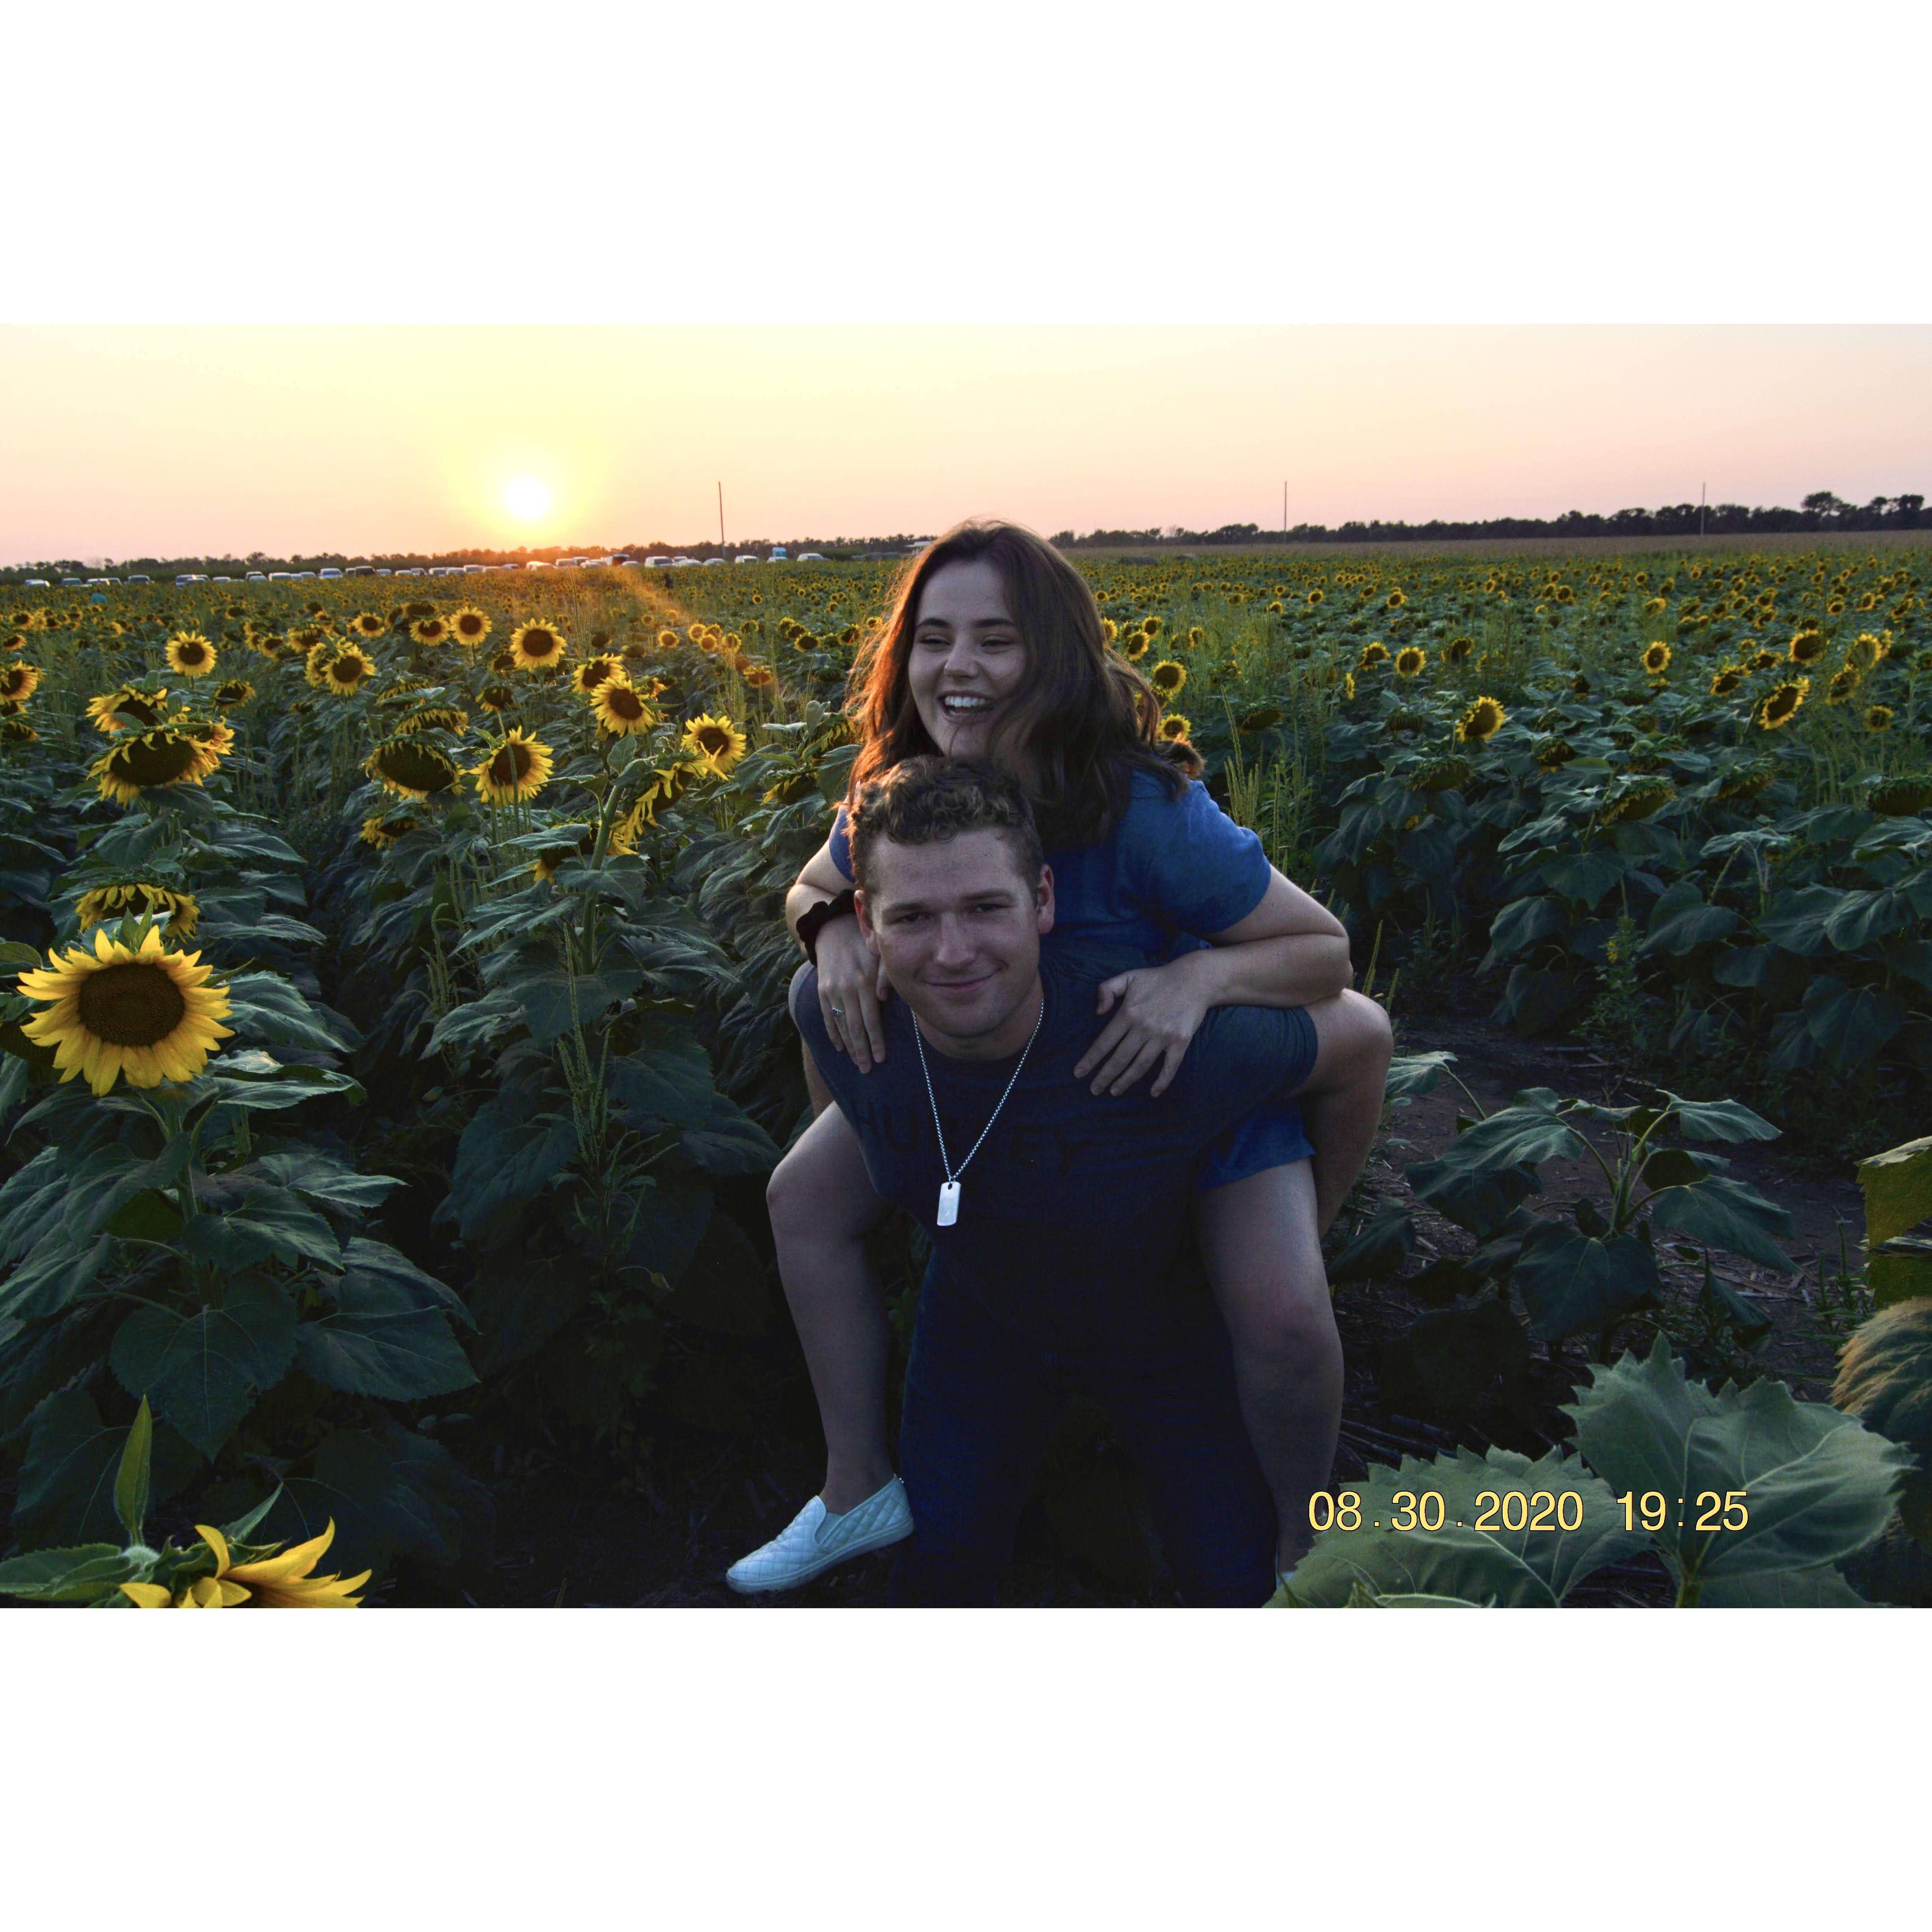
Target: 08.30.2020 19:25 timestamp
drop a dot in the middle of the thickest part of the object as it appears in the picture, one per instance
(1527, 1509)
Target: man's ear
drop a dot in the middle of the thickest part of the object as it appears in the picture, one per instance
(1042, 899)
(864, 912)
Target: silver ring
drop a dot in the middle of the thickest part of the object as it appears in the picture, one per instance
(837, 1013)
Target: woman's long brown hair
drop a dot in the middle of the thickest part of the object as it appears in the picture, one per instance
(1085, 719)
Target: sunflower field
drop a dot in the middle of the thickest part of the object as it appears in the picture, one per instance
(392, 992)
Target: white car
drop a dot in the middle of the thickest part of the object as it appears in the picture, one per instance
(711, 562)
(536, 563)
(747, 558)
(38, 583)
(256, 577)
(332, 572)
(657, 563)
(810, 556)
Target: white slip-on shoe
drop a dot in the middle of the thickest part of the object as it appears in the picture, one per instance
(814, 1542)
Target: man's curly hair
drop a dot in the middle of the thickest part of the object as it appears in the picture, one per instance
(922, 800)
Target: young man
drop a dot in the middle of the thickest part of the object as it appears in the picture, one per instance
(1063, 1254)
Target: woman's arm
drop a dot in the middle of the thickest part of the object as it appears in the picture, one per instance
(1288, 952)
(852, 988)
(819, 879)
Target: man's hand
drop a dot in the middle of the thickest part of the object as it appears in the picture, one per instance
(1157, 1010)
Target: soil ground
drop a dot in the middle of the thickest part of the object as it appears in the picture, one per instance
(569, 1533)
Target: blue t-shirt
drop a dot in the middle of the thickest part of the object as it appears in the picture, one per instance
(1171, 871)
(1074, 1227)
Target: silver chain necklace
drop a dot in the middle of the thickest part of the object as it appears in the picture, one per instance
(948, 1190)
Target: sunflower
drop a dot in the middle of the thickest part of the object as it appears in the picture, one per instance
(1410, 660)
(233, 691)
(369, 624)
(1134, 646)
(1747, 781)
(276, 1582)
(162, 757)
(114, 902)
(1314, 598)
(802, 639)
(147, 1013)
(189, 652)
(1457, 649)
(1348, 684)
(1395, 600)
(1175, 729)
(315, 664)
(17, 731)
(1879, 717)
(1443, 774)
(496, 697)
(716, 742)
(1374, 652)
(1844, 684)
(668, 639)
(1726, 679)
(407, 768)
(1900, 798)
(621, 710)
(470, 627)
(1553, 753)
(756, 677)
(594, 671)
(1579, 686)
(536, 646)
(431, 630)
(432, 718)
(14, 641)
(131, 706)
(1167, 677)
(379, 830)
(1808, 646)
(1638, 799)
(1482, 720)
(629, 829)
(1109, 630)
(344, 672)
(553, 858)
(18, 681)
(517, 769)
(1657, 658)
(1778, 706)
(1866, 652)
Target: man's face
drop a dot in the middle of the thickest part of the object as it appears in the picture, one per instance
(958, 928)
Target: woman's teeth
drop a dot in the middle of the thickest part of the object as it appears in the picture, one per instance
(953, 707)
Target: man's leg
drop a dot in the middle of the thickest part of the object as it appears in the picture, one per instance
(1341, 1100)
(980, 1412)
(822, 1207)
(1264, 1258)
(1177, 1412)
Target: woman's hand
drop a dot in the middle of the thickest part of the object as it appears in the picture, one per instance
(851, 987)
(1157, 1010)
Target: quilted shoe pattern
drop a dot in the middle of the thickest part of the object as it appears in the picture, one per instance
(814, 1542)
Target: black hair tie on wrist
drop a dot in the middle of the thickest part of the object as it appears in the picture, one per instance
(813, 920)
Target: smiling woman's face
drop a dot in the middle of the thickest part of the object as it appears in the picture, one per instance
(967, 662)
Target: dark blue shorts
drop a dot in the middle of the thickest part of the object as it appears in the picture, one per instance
(981, 1405)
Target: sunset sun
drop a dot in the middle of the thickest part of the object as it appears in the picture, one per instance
(527, 498)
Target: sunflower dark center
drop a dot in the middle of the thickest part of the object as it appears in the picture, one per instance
(625, 702)
(510, 764)
(153, 761)
(713, 740)
(417, 767)
(131, 1004)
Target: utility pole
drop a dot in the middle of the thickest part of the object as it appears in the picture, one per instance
(721, 515)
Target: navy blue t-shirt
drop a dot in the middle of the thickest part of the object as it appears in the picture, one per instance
(1073, 1227)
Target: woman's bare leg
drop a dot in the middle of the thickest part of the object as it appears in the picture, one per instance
(1342, 1099)
(822, 1207)
(1264, 1258)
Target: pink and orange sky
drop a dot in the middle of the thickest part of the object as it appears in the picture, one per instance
(148, 439)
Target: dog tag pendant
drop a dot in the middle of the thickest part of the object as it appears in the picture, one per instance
(949, 1203)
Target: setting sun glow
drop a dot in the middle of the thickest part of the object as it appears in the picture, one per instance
(527, 498)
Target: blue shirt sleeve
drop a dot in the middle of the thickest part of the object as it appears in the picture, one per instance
(842, 845)
(1187, 862)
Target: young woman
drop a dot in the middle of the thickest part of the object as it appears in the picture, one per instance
(995, 650)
